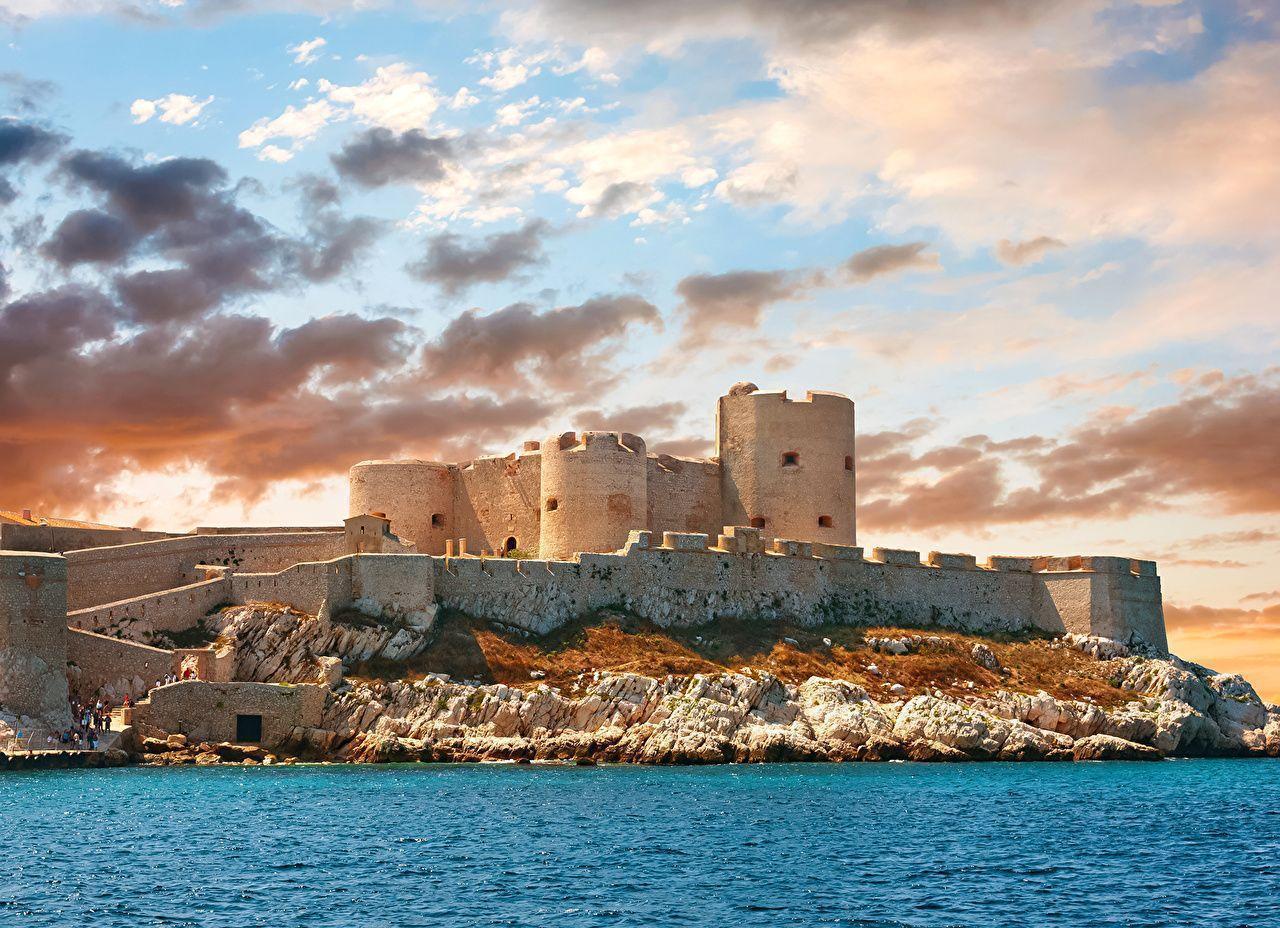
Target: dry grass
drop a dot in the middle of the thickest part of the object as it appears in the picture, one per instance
(468, 649)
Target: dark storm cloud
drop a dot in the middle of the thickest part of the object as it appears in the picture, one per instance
(455, 265)
(377, 157)
(23, 142)
(88, 235)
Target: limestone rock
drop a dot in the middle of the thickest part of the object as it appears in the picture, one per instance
(1106, 747)
(984, 657)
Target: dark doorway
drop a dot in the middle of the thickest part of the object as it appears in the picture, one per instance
(511, 544)
(249, 728)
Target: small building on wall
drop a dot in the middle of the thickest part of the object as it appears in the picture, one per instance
(370, 533)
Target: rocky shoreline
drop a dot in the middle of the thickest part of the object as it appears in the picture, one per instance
(962, 704)
(1178, 709)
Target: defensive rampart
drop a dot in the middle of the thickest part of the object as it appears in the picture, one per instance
(109, 575)
(98, 663)
(682, 581)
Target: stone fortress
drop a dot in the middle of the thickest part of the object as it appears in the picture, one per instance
(782, 465)
(765, 529)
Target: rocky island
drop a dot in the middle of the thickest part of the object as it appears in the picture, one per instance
(678, 611)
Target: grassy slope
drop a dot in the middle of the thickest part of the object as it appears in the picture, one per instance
(468, 649)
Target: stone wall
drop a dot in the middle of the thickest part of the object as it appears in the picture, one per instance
(169, 610)
(496, 499)
(381, 584)
(33, 636)
(107, 575)
(206, 711)
(97, 662)
(684, 495)
(682, 582)
(56, 539)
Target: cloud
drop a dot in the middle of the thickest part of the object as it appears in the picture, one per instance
(307, 52)
(455, 265)
(175, 108)
(566, 347)
(23, 143)
(378, 156)
(1267, 597)
(648, 421)
(394, 98)
(88, 235)
(296, 124)
(182, 215)
(1217, 442)
(1244, 641)
(667, 25)
(620, 198)
(1027, 252)
(733, 300)
(882, 260)
(26, 95)
(758, 183)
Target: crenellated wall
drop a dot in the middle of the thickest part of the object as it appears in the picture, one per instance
(684, 495)
(594, 491)
(680, 581)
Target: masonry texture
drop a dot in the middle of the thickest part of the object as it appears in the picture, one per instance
(785, 465)
(33, 636)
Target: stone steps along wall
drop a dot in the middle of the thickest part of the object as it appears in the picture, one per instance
(98, 660)
(684, 582)
(172, 610)
(120, 572)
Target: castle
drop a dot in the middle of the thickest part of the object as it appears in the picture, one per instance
(764, 529)
(782, 465)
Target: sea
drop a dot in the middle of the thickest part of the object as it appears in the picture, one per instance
(1185, 842)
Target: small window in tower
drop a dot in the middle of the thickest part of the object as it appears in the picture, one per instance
(552, 505)
(791, 459)
(824, 521)
(437, 519)
(758, 522)
(848, 462)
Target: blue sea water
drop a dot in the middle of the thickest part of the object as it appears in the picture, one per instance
(1172, 843)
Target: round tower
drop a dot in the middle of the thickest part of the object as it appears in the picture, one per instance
(594, 491)
(787, 466)
(417, 496)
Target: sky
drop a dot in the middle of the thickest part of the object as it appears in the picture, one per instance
(243, 246)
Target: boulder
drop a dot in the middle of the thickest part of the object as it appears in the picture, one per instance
(984, 657)
(1108, 747)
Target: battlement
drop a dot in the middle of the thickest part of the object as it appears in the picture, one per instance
(596, 441)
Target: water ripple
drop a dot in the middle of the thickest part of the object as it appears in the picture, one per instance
(855, 846)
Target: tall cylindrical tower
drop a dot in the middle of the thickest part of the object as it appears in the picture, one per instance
(787, 466)
(417, 496)
(594, 491)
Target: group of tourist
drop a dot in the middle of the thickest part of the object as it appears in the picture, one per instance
(90, 722)
(187, 674)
